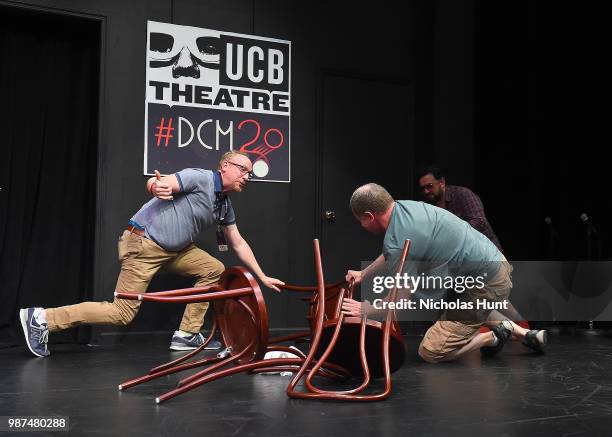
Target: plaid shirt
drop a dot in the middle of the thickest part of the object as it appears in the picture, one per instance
(466, 205)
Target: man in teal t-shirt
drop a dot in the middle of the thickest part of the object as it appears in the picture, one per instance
(451, 246)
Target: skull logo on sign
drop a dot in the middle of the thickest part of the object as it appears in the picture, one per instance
(185, 53)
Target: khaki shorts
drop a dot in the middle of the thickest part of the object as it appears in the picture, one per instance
(450, 332)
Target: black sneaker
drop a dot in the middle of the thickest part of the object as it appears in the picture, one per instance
(503, 334)
(191, 342)
(535, 340)
(36, 335)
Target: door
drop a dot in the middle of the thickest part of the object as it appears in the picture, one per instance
(366, 136)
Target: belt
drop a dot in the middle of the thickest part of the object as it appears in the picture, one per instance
(135, 230)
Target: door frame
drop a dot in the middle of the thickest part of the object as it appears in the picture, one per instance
(102, 21)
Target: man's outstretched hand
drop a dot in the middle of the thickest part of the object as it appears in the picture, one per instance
(272, 283)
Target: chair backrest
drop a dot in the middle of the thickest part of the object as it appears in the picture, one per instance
(332, 294)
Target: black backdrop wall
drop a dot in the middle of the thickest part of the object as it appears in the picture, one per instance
(534, 156)
(426, 49)
(48, 165)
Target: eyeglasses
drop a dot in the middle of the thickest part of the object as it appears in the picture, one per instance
(243, 169)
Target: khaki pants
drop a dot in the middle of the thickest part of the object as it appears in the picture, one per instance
(449, 333)
(140, 259)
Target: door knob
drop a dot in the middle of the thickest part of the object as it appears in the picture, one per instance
(330, 216)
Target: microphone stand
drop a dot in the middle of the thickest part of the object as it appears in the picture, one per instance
(553, 237)
(553, 243)
(589, 236)
(592, 233)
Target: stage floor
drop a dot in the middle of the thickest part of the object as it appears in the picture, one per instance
(566, 392)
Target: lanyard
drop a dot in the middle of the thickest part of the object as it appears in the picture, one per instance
(222, 208)
(222, 213)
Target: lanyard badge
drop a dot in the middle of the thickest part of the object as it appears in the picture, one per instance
(221, 241)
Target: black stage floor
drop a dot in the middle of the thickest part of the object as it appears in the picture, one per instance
(566, 392)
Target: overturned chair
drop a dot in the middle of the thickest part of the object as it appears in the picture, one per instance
(365, 348)
(341, 347)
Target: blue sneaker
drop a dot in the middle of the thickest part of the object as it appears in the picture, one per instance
(36, 335)
(191, 342)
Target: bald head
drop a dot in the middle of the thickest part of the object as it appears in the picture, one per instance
(370, 197)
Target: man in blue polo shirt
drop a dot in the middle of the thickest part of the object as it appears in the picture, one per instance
(440, 239)
(162, 233)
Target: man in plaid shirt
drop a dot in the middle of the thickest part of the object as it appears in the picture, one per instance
(466, 205)
(461, 201)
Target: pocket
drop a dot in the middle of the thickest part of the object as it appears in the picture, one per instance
(510, 270)
(501, 291)
(129, 245)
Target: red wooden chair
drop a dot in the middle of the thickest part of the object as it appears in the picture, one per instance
(340, 346)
